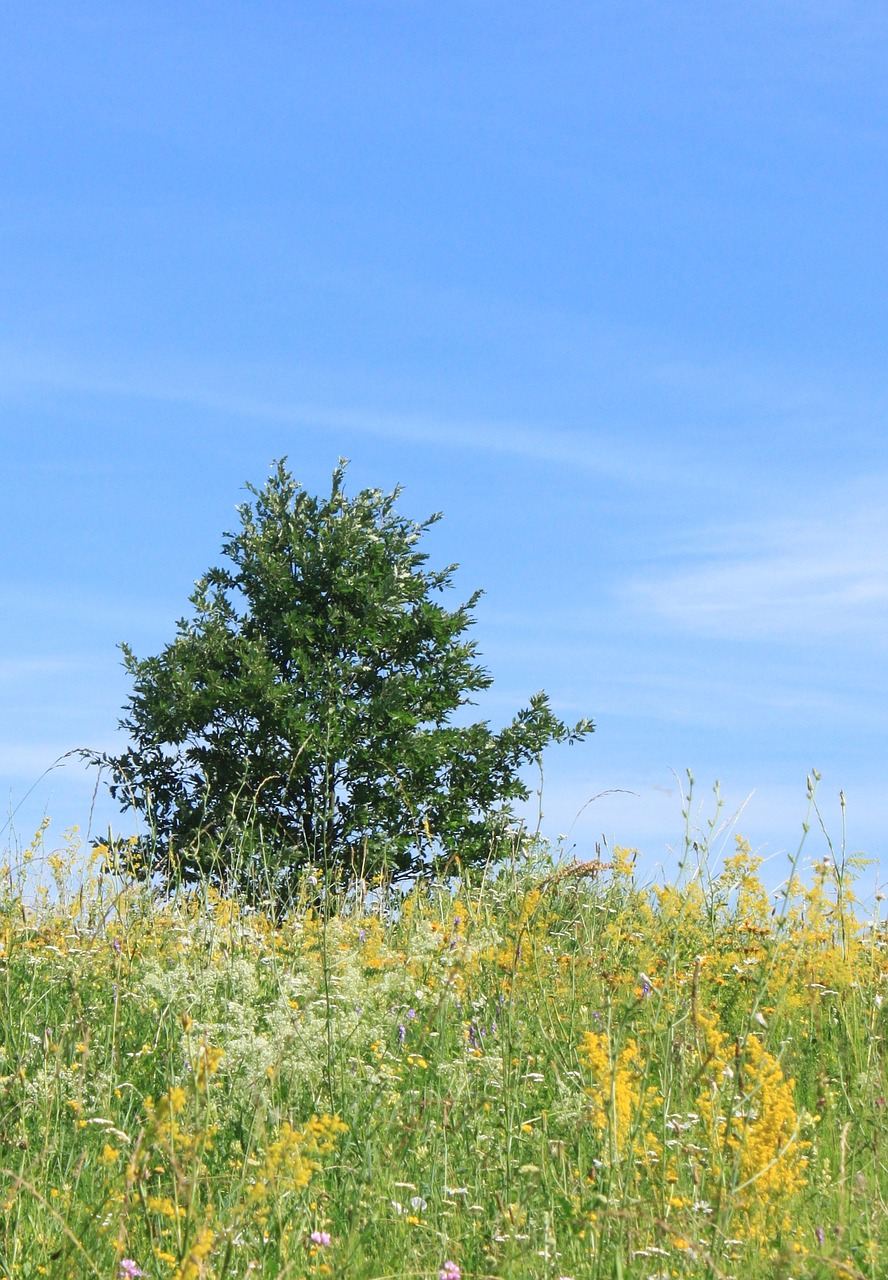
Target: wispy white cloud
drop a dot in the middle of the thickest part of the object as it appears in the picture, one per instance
(612, 454)
(789, 579)
(30, 761)
(70, 605)
(15, 669)
(590, 451)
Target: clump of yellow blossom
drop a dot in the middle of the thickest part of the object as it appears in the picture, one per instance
(622, 1096)
(756, 1153)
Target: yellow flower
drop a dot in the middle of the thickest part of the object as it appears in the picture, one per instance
(209, 1059)
(753, 1126)
(164, 1206)
(622, 1100)
(194, 1265)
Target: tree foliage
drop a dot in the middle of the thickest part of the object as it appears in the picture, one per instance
(304, 710)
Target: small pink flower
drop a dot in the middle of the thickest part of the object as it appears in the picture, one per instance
(129, 1270)
(450, 1271)
(321, 1238)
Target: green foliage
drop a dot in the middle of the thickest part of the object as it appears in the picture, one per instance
(303, 710)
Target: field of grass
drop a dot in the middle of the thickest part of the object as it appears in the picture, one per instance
(545, 1070)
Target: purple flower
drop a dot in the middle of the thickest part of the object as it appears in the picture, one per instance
(820, 1234)
(321, 1238)
(450, 1271)
(402, 1033)
(129, 1270)
(411, 1013)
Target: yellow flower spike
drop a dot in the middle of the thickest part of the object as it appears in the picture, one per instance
(622, 1101)
(752, 1125)
(194, 1265)
(170, 1104)
(164, 1206)
(209, 1060)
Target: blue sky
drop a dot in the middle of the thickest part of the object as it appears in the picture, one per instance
(605, 283)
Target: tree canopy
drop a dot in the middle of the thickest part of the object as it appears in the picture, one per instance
(303, 712)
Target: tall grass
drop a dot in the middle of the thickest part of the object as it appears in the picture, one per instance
(544, 1070)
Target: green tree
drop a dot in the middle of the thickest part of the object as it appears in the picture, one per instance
(303, 711)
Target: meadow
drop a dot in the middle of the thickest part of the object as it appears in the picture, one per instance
(542, 1069)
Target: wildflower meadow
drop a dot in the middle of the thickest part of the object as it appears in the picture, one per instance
(540, 1068)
